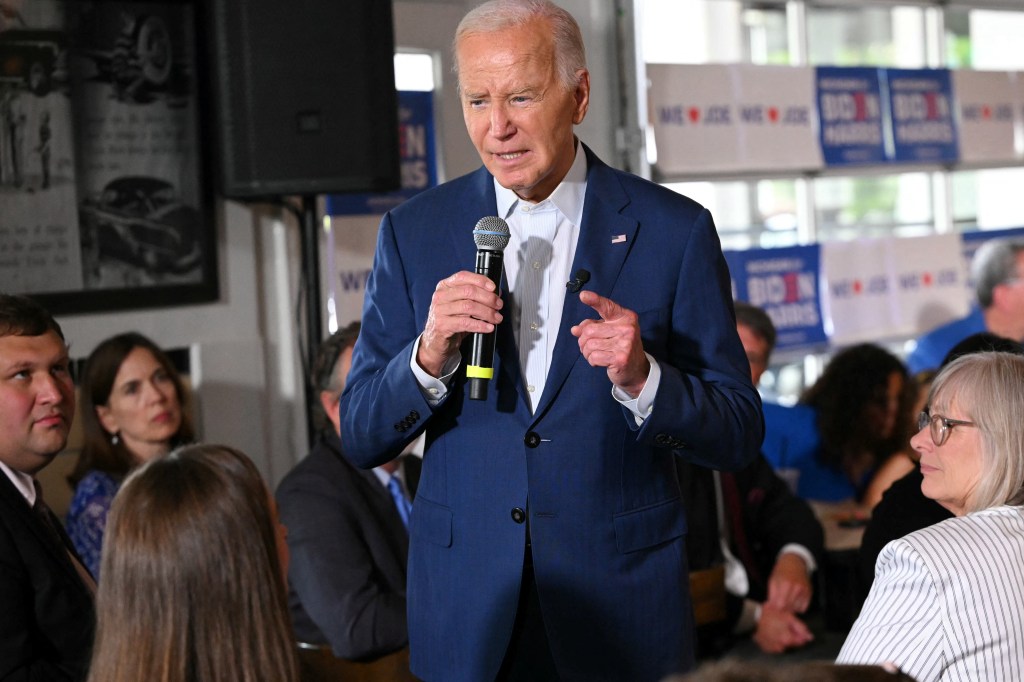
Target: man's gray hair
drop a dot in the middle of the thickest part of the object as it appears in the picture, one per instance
(498, 15)
(994, 263)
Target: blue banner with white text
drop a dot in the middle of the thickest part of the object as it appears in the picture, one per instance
(851, 115)
(784, 282)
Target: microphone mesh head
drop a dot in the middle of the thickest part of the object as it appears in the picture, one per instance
(491, 234)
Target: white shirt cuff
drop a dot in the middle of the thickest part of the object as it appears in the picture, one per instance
(643, 404)
(434, 389)
(802, 552)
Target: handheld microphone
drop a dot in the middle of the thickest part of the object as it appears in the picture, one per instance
(491, 235)
(577, 282)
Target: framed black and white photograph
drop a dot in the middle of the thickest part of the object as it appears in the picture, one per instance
(104, 199)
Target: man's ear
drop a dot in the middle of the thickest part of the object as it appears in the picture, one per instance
(999, 293)
(582, 96)
(329, 401)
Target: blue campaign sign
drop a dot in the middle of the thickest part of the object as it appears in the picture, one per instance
(418, 158)
(850, 111)
(922, 114)
(783, 282)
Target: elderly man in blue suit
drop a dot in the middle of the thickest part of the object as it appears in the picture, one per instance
(547, 539)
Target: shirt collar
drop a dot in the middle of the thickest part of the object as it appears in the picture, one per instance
(384, 477)
(567, 197)
(22, 481)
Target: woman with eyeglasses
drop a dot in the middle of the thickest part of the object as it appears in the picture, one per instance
(947, 600)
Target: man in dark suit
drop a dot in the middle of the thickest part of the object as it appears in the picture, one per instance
(548, 533)
(346, 535)
(750, 521)
(47, 615)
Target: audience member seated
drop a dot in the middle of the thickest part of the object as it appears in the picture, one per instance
(904, 508)
(194, 567)
(768, 539)
(811, 671)
(46, 593)
(861, 405)
(947, 600)
(349, 543)
(997, 271)
(903, 462)
(132, 411)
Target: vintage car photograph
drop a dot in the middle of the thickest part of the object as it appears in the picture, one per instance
(141, 221)
(35, 60)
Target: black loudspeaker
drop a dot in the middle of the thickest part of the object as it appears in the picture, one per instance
(303, 96)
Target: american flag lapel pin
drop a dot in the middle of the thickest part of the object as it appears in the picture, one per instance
(618, 239)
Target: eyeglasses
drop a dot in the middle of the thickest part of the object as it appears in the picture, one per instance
(938, 426)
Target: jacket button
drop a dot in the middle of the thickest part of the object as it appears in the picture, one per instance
(414, 416)
(532, 440)
(518, 515)
(662, 439)
(401, 428)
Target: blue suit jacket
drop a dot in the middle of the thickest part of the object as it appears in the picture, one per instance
(604, 510)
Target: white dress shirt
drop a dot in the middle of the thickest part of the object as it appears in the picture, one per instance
(23, 482)
(948, 601)
(538, 263)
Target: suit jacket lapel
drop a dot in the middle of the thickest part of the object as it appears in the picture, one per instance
(604, 242)
(20, 507)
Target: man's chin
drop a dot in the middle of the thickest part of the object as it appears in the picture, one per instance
(33, 462)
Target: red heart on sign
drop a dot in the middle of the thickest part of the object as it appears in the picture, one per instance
(694, 114)
(773, 114)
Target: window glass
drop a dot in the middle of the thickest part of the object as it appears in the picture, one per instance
(984, 39)
(719, 31)
(755, 214)
(414, 71)
(873, 206)
(988, 199)
(866, 36)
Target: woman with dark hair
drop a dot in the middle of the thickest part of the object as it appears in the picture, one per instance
(863, 402)
(132, 410)
(195, 567)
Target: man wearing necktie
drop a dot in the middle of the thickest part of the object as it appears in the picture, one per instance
(767, 538)
(348, 538)
(47, 615)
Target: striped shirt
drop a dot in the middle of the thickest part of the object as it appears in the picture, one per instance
(948, 601)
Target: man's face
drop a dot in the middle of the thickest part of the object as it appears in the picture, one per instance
(1009, 296)
(757, 351)
(37, 400)
(519, 116)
